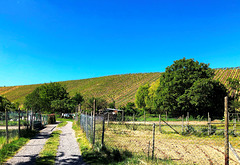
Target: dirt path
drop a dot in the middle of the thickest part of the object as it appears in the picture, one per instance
(27, 155)
(68, 150)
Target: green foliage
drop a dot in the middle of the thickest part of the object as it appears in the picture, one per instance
(77, 98)
(51, 119)
(42, 96)
(130, 109)
(5, 103)
(234, 85)
(151, 100)
(9, 150)
(187, 86)
(100, 103)
(141, 96)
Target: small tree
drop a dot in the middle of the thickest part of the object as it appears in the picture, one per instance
(141, 96)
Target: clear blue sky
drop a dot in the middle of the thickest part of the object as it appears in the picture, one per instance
(57, 40)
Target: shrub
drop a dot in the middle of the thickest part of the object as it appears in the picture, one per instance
(51, 119)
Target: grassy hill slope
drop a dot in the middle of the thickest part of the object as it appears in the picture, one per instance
(121, 88)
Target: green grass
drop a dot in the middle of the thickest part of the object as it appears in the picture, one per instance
(62, 124)
(10, 149)
(109, 155)
(48, 154)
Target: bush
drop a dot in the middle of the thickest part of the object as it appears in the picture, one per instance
(51, 119)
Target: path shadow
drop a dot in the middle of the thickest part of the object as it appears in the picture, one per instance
(32, 161)
(74, 160)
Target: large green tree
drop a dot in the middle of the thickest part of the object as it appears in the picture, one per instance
(40, 99)
(188, 86)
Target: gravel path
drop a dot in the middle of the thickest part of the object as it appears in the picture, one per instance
(27, 155)
(68, 150)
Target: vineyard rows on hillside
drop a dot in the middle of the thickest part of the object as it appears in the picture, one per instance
(121, 88)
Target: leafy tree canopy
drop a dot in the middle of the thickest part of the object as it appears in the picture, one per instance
(234, 86)
(141, 95)
(42, 96)
(6, 104)
(188, 85)
(100, 103)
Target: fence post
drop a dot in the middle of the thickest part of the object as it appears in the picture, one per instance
(122, 115)
(86, 124)
(94, 111)
(160, 129)
(188, 117)
(153, 140)
(19, 123)
(226, 131)
(103, 129)
(6, 119)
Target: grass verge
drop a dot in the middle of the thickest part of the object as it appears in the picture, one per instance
(62, 124)
(111, 156)
(48, 154)
(9, 150)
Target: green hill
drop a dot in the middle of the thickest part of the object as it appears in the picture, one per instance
(121, 88)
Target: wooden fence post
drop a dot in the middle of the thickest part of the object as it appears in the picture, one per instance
(122, 115)
(86, 124)
(94, 111)
(19, 122)
(153, 141)
(226, 131)
(6, 119)
(103, 128)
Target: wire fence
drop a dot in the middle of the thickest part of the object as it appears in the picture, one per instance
(14, 123)
(182, 140)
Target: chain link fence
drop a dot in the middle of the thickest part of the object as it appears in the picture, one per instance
(13, 123)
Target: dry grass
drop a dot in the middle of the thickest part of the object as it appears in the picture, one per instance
(188, 149)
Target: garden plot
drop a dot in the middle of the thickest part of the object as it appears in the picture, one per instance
(182, 149)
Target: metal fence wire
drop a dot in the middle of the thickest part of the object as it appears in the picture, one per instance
(180, 140)
(13, 123)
